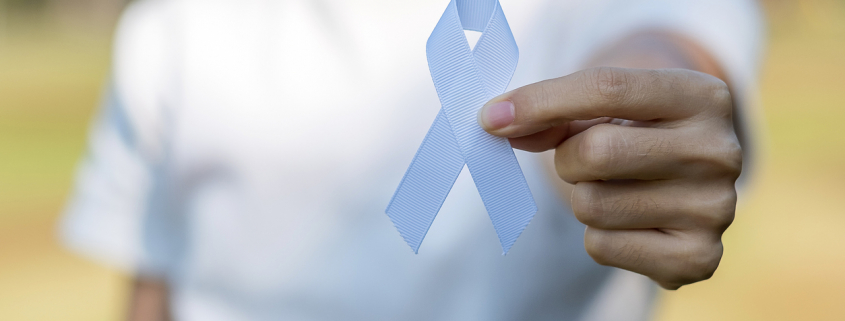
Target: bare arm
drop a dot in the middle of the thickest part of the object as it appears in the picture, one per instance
(149, 300)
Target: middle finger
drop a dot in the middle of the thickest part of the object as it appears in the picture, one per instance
(609, 151)
(664, 204)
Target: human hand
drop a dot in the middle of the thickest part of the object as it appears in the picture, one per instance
(653, 156)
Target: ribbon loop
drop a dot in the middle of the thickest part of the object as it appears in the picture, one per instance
(465, 79)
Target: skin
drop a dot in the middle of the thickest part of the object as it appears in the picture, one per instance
(149, 300)
(651, 156)
(648, 158)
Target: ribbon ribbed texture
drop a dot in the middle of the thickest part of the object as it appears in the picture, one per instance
(465, 79)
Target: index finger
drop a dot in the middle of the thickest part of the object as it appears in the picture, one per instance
(632, 94)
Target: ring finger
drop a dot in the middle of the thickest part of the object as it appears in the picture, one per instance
(663, 204)
(608, 151)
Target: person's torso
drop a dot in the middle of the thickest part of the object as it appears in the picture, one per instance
(293, 122)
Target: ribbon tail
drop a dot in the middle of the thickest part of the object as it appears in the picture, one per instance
(427, 183)
(504, 191)
(496, 56)
(459, 80)
(465, 79)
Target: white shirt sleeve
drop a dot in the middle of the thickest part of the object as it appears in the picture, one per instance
(116, 194)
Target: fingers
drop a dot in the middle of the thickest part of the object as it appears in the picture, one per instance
(615, 205)
(607, 151)
(633, 94)
(653, 156)
(552, 137)
(541, 141)
(670, 259)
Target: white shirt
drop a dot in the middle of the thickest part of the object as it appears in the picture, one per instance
(248, 149)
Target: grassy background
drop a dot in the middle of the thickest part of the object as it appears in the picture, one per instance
(785, 254)
(50, 82)
(784, 258)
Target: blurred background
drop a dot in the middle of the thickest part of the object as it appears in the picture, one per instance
(785, 253)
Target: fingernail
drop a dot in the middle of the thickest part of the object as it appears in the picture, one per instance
(498, 115)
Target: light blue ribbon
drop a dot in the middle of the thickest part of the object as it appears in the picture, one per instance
(465, 80)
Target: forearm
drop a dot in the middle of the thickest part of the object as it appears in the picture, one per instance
(149, 300)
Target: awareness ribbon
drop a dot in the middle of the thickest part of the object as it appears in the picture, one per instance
(465, 80)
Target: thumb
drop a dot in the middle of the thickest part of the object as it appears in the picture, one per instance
(535, 108)
(530, 109)
(633, 94)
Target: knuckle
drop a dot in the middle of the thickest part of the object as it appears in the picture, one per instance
(560, 164)
(719, 94)
(609, 84)
(726, 208)
(719, 210)
(733, 158)
(598, 246)
(718, 155)
(729, 158)
(564, 158)
(718, 216)
(587, 204)
(598, 151)
(699, 263)
(705, 263)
